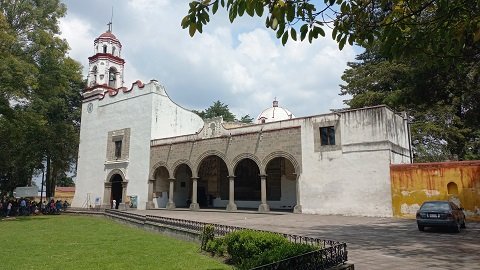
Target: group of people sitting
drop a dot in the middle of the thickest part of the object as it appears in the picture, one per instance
(26, 207)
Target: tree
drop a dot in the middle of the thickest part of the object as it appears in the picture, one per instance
(39, 94)
(405, 27)
(65, 181)
(246, 119)
(216, 110)
(442, 99)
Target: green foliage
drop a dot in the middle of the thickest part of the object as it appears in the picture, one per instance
(217, 247)
(247, 249)
(246, 119)
(404, 27)
(81, 242)
(65, 181)
(216, 110)
(208, 234)
(39, 94)
(442, 99)
(277, 253)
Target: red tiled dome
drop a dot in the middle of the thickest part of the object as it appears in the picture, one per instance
(108, 35)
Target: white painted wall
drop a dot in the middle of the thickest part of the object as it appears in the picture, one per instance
(169, 119)
(148, 112)
(355, 178)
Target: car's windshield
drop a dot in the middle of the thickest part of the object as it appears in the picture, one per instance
(436, 206)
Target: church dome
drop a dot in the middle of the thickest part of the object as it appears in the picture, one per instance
(275, 113)
(108, 34)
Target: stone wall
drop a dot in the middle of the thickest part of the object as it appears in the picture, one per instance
(260, 146)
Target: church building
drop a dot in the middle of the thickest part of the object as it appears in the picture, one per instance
(142, 150)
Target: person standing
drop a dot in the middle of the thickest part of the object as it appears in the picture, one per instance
(9, 208)
(23, 207)
(114, 204)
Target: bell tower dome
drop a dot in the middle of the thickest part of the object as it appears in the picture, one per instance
(106, 65)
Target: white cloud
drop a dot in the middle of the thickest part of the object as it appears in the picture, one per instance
(240, 64)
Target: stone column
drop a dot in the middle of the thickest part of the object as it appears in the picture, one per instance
(171, 204)
(298, 207)
(194, 205)
(263, 206)
(122, 205)
(107, 193)
(231, 194)
(150, 204)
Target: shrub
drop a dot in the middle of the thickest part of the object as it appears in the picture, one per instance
(245, 244)
(248, 249)
(217, 246)
(276, 254)
(208, 234)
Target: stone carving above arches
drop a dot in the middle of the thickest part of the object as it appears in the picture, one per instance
(156, 166)
(283, 154)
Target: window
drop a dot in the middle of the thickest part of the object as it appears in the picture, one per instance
(112, 78)
(327, 135)
(104, 48)
(113, 50)
(118, 149)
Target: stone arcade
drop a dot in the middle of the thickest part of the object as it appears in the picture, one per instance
(137, 146)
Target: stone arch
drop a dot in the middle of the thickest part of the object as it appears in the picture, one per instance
(115, 188)
(180, 162)
(207, 154)
(212, 180)
(158, 185)
(113, 172)
(240, 157)
(182, 184)
(156, 166)
(283, 154)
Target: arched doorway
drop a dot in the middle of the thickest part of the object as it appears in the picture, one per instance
(212, 182)
(182, 189)
(247, 183)
(117, 190)
(281, 183)
(160, 188)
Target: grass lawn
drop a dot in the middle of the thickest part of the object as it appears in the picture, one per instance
(82, 242)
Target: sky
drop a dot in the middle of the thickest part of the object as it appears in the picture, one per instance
(241, 64)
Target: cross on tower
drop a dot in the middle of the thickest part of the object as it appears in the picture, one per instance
(109, 27)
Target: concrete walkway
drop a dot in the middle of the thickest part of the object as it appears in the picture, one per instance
(372, 243)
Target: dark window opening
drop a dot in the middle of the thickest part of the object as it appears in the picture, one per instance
(118, 149)
(327, 135)
(104, 48)
(112, 78)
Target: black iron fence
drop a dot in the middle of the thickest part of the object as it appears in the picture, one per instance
(331, 253)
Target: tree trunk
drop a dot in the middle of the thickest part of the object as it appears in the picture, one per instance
(48, 179)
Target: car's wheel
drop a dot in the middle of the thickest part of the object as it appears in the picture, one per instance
(421, 228)
(463, 224)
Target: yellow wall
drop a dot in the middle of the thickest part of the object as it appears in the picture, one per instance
(412, 184)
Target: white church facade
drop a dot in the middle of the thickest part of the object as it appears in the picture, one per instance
(141, 149)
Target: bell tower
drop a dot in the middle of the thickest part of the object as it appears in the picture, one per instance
(106, 65)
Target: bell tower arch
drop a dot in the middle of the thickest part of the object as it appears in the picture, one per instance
(106, 65)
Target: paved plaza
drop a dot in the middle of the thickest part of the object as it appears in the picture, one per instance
(372, 243)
